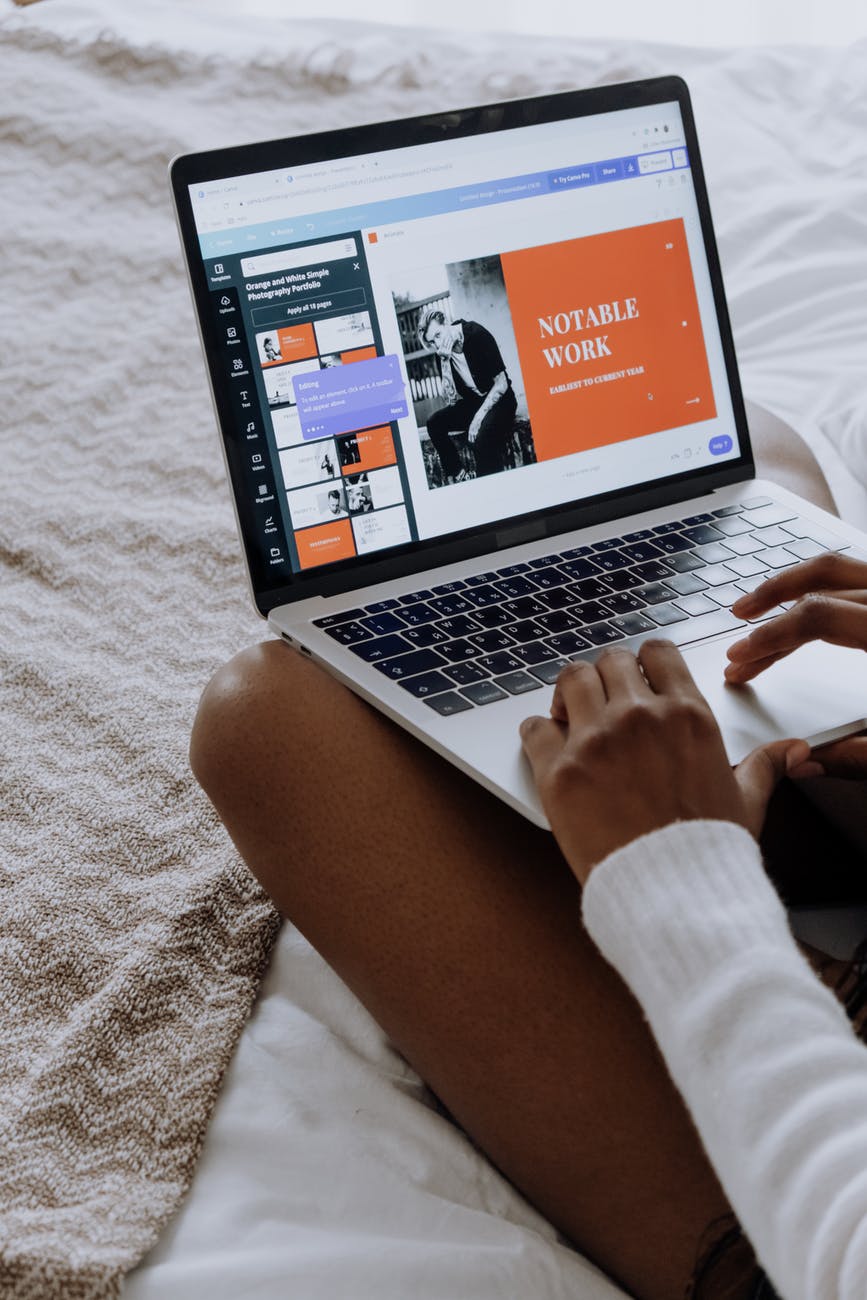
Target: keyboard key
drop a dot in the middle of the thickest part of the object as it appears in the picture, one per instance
(460, 625)
(525, 607)
(580, 568)
(481, 579)
(777, 557)
(486, 594)
(448, 703)
(493, 616)
(744, 545)
(457, 651)
(755, 502)
(500, 663)
(623, 580)
(451, 605)
(417, 614)
(575, 553)
(383, 647)
(685, 583)
(673, 527)
(770, 514)
(726, 595)
(379, 624)
(697, 629)
(804, 528)
(549, 672)
(697, 604)
(632, 624)
(426, 684)
(752, 581)
(601, 634)
(651, 571)
(526, 630)
(715, 575)
(726, 512)
(639, 551)
(672, 543)
(466, 674)
(567, 643)
(732, 527)
(773, 536)
(332, 620)
(702, 534)
(483, 693)
(558, 620)
(590, 589)
(448, 588)
(805, 548)
(623, 602)
(609, 561)
(745, 564)
(415, 596)
(534, 652)
(684, 562)
(511, 569)
(654, 593)
(712, 553)
(550, 577)
(417, 661)
(699, 519)
(590, 612)
(665, 614)
(517, 683)
(488, 642)
(348, 633)
(380, 606)
(561, 597)
(640, 536)
(517, 586)
(427, 634)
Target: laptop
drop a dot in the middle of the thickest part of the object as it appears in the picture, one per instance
(481, 415)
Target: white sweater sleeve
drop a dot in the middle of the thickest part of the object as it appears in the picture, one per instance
(762, 1052)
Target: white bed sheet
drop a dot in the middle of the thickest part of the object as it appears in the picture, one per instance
(327, 1172)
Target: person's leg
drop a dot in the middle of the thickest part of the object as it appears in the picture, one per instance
(458, 925)
(440, 427)
(497, 425)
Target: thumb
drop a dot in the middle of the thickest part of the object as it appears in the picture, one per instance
(759, 774)
(842, 758)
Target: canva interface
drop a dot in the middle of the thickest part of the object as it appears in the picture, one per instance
(427, 340)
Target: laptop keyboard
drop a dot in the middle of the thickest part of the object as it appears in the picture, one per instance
(471, 642)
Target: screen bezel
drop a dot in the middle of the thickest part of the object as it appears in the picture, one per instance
(413, 557)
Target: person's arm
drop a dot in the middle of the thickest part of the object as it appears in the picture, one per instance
(762, 1052)
(633, 775)
(493, 395)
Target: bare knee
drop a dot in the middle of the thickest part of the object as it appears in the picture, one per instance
(241, 705)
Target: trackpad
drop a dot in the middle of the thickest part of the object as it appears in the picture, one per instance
(818, 693)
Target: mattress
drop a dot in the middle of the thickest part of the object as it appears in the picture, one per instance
(328, 1170)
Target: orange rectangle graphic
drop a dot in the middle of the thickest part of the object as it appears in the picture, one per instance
(368, 450)
(324, 544)
(286, 343)
(609, 337)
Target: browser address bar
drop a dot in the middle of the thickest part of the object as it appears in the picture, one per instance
(292, 258)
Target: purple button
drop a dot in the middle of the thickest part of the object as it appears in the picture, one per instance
(719, 445)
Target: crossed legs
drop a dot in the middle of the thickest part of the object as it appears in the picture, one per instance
(458, 925)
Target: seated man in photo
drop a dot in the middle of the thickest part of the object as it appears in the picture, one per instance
(479, 395)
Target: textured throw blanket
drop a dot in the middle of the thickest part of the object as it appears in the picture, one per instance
(132, 937)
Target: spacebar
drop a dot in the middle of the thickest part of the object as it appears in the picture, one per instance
(705, 625)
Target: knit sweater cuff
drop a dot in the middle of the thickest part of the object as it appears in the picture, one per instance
(674, 904)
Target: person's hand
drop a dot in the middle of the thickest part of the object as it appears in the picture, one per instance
(631, 745)
(830, 594)
(474, 429)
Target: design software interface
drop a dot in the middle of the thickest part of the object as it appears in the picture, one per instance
(429, 339)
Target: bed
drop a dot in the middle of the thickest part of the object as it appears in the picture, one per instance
(327, 1170)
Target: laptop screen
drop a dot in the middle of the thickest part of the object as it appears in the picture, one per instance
(425, 340)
